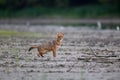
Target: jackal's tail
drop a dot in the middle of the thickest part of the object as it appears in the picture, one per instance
(32, 48)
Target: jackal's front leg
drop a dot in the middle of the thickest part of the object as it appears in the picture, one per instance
(54, 52)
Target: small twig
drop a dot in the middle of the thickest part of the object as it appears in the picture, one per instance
(93, 51)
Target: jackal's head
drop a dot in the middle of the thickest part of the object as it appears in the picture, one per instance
(60, 36)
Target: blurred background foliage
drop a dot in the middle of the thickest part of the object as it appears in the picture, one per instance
(60, 8)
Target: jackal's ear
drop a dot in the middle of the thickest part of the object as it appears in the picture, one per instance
(63, 33)
(58, 33)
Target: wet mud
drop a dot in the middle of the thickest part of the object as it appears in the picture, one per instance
(86, 54)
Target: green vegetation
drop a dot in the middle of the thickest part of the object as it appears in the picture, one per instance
(21, 34)
(59, 8)
(82, 77)
(7, 33)
(86, 11)
(16, 53)
(44, 76)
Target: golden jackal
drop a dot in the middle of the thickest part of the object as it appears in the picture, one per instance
(49, 46)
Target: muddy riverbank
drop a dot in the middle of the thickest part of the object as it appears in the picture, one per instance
(86, 54)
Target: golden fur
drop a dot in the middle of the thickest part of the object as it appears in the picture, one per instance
(49, 46)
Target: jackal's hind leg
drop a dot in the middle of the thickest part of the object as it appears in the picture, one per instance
(38, 54)
(41, 55)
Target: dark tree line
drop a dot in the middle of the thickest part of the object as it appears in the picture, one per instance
(17, 4)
